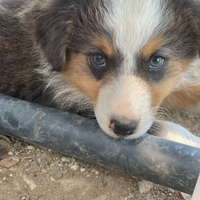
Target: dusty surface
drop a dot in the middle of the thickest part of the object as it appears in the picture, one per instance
(35, 173)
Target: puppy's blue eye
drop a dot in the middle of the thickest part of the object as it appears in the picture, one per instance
(156, 62)
(98, 60)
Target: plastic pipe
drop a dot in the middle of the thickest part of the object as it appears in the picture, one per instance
(151, 158)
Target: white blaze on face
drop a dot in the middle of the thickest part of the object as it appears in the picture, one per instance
(129, 97)
(132, 24)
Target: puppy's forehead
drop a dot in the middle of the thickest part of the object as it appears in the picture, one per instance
(133, 23)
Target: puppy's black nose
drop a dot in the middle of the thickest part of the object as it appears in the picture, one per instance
(123, 129)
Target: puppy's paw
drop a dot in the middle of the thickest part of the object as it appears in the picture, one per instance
(174, 132)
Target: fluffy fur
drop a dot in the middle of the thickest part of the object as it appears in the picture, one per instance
(47, 50)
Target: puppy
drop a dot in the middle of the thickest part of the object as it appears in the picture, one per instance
(120, 60)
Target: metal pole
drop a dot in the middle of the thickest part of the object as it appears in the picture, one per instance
(161, 161)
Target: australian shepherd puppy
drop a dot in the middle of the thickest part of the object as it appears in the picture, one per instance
(120, 60)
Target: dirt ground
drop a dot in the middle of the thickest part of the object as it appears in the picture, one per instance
(33, 173)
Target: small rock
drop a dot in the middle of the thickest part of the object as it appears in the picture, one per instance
(74, 167)
(10, 153)
(65, 159)
(83, 169)
(29, 180)
(96, 172)
(52, 165)
(47, 168)
(131, 196)
(144, 186)
(104, 183)
(58, 175)
(4, 178)
(44, 171)
(30, 148)
(9, 162)
(171, 190)
(25, 198)
(60, 165)
(73, 160)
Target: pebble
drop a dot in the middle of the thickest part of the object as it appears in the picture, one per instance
(10, 153)
(71, 164)
(104, 183)
(25, 198)
(131, 196)
(96, 172)
(57, 175)
(4, 178)
(65, 159)
(171, 190)
(83, 169)
(144, 186)
(73, 160)
(44, 171)
(74, 167)
(30, 148)
(52, 165)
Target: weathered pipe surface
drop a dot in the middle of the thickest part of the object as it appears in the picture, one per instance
(163, 162)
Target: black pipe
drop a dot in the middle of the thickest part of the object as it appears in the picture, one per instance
(161, 161)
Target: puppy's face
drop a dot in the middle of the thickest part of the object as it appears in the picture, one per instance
(127, 56)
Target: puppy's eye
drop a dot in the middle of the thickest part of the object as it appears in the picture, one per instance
(156, 62)
(98, 60)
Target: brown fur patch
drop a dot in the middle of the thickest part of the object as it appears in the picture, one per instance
(150, 48)
(166, 86)
(105, 46)
(186, 97)
(79, 76)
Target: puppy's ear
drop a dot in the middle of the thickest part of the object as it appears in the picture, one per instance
(52, 34)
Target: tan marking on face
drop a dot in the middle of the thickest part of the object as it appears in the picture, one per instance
(105, 46)
(186, 97)
(150, 48)
(161, 90)
(78, 75)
